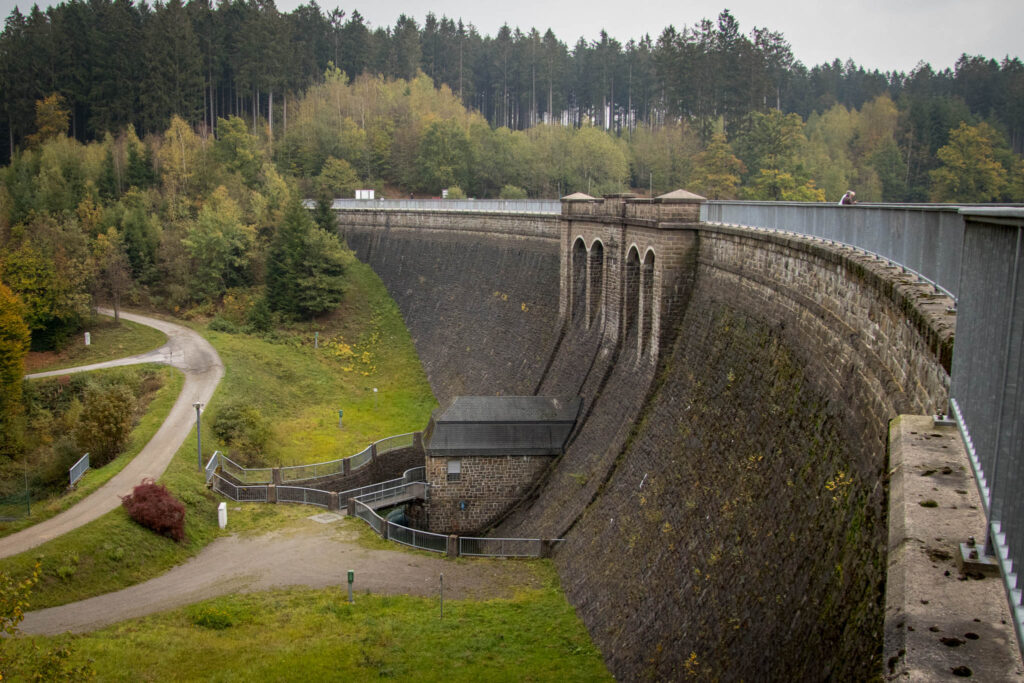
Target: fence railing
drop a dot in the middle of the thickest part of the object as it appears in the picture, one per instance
(257, 493)
(394, 495)
(368, 515)
(395, 443)
(415, 538)
(926, 239)
(314, 471)
(77, 471)
(500, 547)
(987, 384)
(211, 466)
(299, 494)
(246, 475)
(544, 206)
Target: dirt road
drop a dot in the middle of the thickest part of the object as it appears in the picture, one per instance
(203, 370)
(307, 554)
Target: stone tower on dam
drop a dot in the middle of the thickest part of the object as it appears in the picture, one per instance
(723, 492)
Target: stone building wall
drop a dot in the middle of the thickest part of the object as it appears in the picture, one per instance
(488, 485)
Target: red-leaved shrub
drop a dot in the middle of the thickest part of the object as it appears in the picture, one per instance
(152, 505)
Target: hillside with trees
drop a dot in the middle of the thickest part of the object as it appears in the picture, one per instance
(658, 99)
(175, 182)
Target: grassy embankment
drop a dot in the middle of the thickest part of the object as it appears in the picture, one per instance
(317, 635)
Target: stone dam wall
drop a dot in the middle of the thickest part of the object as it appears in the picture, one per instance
(724, 511)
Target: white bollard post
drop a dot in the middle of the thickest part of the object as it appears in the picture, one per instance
(222, 515)
(88, 339)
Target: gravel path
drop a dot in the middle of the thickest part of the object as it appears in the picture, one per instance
(203, 369)
(309, 554)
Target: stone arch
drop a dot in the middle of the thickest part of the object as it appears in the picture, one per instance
(631, 300)
(647, 304)
(595, 282)
(579, 279)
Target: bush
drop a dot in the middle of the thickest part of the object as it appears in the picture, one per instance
(260, 318)
(154, 507)
(455, 192)
(212, 618)
(243, 428)
(219, 324)
(106, 422)
(512, 192)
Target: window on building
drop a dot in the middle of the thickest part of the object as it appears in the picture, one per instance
(454, 470)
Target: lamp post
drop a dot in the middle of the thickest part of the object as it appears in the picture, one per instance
(199, 439)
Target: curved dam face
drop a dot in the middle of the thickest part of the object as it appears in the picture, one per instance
(723, 500)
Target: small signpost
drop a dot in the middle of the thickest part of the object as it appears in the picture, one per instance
(341, 414)
(351, 579)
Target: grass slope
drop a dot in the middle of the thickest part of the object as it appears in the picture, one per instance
(318, 635)
(109, 341)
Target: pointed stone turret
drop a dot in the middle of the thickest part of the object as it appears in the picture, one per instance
(679, 196)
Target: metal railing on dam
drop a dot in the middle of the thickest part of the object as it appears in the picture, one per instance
(976, 255)
(542, 206)
(924, 238)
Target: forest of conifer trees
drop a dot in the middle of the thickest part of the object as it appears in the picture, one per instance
(203, 61)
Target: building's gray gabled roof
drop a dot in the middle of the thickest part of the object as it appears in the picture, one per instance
(501, 425)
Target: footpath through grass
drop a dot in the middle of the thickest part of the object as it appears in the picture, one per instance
(109, 341)
(317, 635)
(299, 389)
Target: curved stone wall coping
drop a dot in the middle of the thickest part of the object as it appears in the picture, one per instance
(932, 313)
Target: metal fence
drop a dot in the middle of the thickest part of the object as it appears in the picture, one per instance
(240, 493)
(424, 540)
(499, 547)
(987, 387)
(357, 493)
(260, 475)
(395, 443)
(542, 206)
(360, 459)
(314, 471)
(367, 514)
(212, 465)
(299, 494)
(926, 239)
(415, 474)
(77, 470)
(393, 495)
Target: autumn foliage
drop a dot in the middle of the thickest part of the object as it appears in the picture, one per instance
(153, 506)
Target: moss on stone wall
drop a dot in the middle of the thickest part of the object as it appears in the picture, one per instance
(733, 540)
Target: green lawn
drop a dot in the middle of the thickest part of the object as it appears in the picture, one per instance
(109, 341)
(309, 635)
(300, 388)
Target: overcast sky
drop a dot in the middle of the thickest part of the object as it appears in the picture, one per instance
(883, 34)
